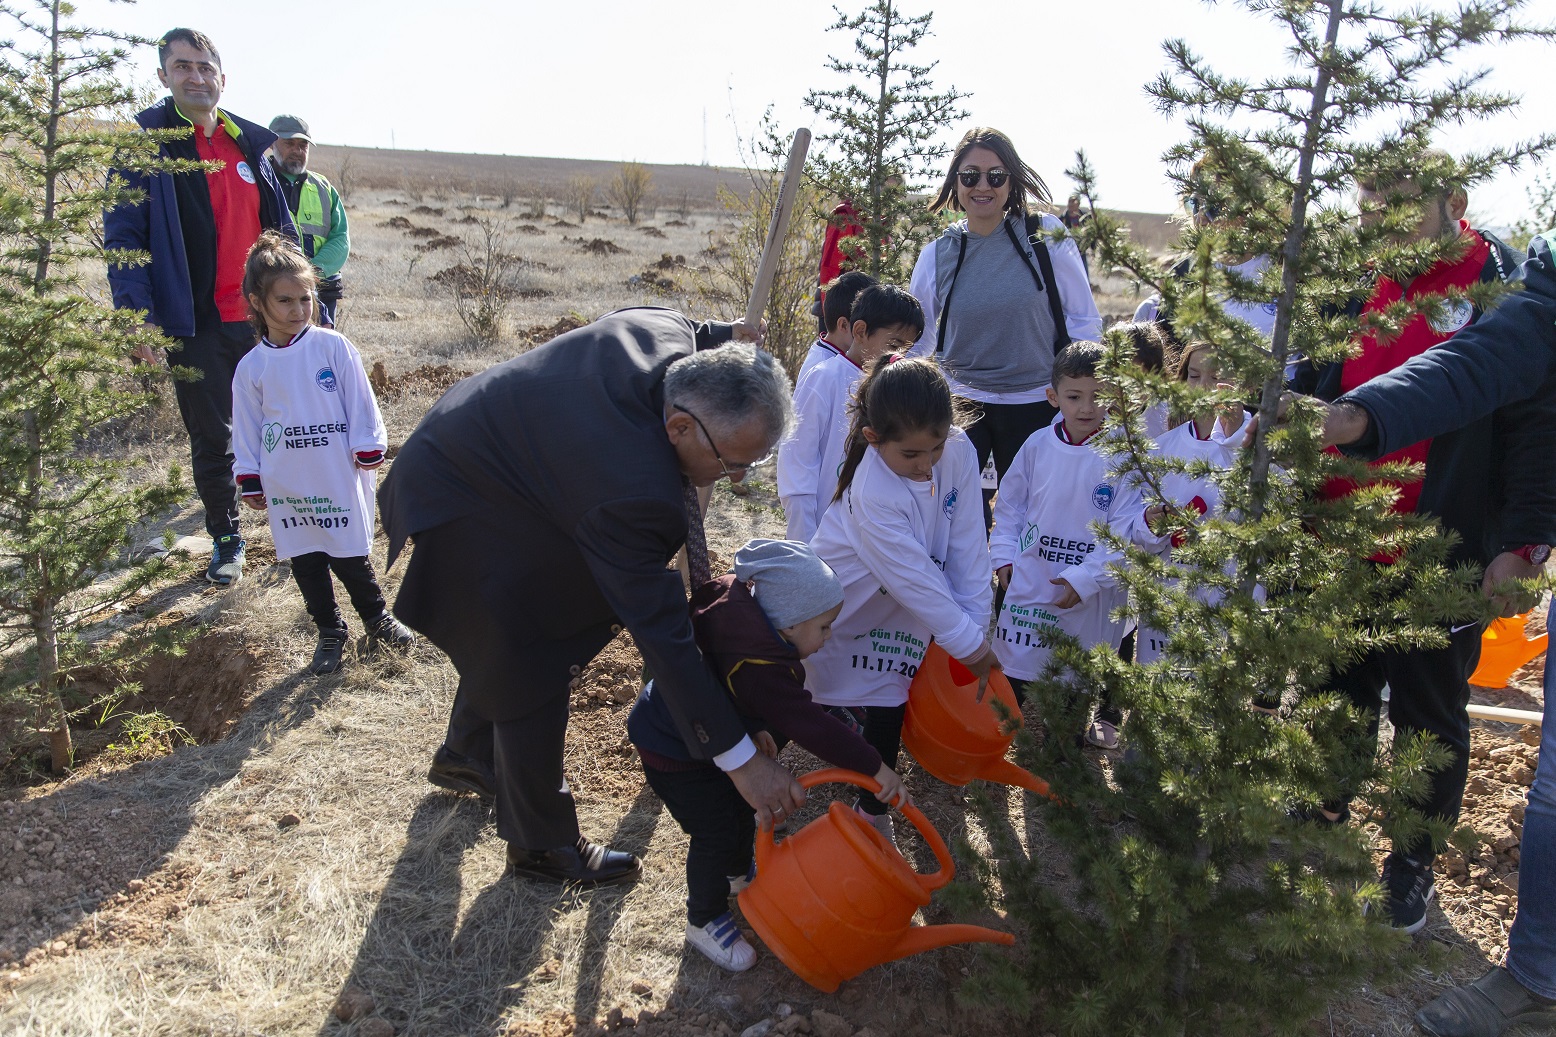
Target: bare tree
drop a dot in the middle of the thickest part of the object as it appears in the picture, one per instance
(484, 282)
(631, 189)
(345, 178)
(580, 196)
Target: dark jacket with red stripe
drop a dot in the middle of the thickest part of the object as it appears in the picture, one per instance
(1464, 485)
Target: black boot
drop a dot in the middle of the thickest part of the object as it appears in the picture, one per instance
(585, 864)
(326, 657)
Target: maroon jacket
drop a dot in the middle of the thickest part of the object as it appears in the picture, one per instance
(761, 672)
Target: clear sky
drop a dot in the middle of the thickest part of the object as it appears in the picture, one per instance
(618, 80)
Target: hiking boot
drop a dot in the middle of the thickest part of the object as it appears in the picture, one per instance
(327, 655)
(1410, 888)
(1485, 1008)
(722, 943)
(391, 633)
(582, 864)
(226, 560)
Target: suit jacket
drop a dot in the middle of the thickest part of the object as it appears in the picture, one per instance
(563, 449)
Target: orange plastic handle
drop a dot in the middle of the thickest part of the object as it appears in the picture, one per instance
(828, 775)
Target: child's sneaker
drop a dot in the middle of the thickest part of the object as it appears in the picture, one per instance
(390, 632)
(740, 882)
(327, 655)
(851, 716)
(883, 824)
(722, 943)
(1103, 734)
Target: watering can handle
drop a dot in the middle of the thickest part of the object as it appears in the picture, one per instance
(828, 775)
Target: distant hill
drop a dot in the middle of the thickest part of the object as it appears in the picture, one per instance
(522, 177)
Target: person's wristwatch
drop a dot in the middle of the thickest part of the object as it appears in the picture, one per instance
(1534, 554)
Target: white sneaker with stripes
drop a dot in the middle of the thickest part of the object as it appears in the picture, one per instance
(722, 943)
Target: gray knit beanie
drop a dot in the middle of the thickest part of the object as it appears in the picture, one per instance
(793, 584)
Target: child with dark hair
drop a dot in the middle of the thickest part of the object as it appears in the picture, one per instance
(905, 535)
(885, 319)
(1046, 555)
(306, 438)
(836, 322)
(754, 626)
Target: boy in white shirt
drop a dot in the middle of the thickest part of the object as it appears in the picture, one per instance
(1047, 557)
(835, 310)
(885, 319)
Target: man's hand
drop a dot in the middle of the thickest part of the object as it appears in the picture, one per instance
(1500, 584)
(744, 333)
(1344, 423)
(1002, 574)
(769, 788)
(144, 352)
(1070, 599)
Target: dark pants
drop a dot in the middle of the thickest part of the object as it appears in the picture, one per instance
(883, 730)
(1428, 691)
(722, 827)
(312, 573)
(1001, 431)
(205, 404)
(329, 295)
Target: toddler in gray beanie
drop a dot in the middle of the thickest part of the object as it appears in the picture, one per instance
(792, 583)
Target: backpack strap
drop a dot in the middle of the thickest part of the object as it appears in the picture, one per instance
(945, 311)
(1045, 280)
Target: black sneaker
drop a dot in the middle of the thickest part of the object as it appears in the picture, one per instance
(1410, 888)
(852, 717)
(390, 632)
(327, 656)
(227, 560)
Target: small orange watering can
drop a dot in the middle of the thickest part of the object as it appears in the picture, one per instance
(835, 898)
(957, 738)
(1503, 649)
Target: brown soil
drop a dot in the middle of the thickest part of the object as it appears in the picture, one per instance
(424, 210)
(427, 378)
(600, 247)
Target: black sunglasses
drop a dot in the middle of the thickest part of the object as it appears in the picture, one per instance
(970, 177)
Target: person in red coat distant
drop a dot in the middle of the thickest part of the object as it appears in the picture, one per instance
(842, 223)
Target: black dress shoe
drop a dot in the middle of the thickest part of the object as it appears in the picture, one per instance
(459, 773)
(586, 864)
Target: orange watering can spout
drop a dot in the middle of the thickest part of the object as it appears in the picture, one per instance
(930, 937)
(1007, 773)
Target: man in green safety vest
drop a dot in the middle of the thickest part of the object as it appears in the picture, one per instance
(316, 209)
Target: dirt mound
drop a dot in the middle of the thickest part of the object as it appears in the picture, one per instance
(660, 276)
(397, 222)
(427, 378)
(438, 244)
(653, 232)
(677, 223)
(424, 232)
(528, 228)
(602, 247)
(468, 218)
(426, 210)
(542, 333)
(564, 225)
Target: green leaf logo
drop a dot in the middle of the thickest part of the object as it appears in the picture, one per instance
(272, 435)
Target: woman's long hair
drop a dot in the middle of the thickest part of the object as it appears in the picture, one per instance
(1023, 181)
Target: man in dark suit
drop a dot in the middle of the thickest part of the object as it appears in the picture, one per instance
(546, 497)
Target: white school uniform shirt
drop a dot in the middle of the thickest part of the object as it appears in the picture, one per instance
(300, 414)
(1200, 493)
(914, 566)
(1049, 498)
(809, 462)
(819, 350)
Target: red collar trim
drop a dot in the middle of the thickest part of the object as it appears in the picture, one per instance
(1064, 434)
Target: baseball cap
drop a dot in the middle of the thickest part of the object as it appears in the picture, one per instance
(290, 127)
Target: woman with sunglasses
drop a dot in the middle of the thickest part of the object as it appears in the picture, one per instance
(999, 300)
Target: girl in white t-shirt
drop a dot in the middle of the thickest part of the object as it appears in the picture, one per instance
(306, 438)
(905, 535)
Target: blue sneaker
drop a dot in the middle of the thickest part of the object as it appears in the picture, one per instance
(227, 560)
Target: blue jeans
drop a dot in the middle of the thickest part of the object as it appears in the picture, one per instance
(1531, 946)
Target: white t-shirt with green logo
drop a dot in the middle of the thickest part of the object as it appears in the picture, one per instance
(300, 414)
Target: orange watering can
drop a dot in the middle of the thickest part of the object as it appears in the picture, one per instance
(957, 738)
(1503, 649)
(835, 898)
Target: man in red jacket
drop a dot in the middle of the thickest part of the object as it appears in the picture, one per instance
(1429, 688)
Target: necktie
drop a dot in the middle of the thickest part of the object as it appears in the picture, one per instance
(696, 539)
